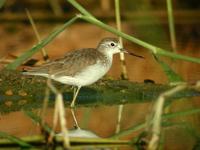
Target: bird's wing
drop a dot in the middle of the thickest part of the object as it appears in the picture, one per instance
(69, 65)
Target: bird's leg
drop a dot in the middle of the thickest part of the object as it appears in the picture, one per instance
(72, 107)
(75, 120)
(74, 97)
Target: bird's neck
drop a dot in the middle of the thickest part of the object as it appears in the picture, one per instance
(106, 58)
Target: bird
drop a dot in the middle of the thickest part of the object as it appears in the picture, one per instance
(81, 67)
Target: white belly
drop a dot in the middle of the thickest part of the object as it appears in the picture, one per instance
(90, 75)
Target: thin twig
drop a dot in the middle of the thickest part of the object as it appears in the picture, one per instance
(119, 118)
(59, 113)
(45, 105)
(44, 53)
(57, 9)
(157, 117)
(122, 62)
(155, 50)
(40, 45)
(63, 121)
(118, 22)
(171, 24)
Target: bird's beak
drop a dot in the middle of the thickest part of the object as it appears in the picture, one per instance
(130, 53)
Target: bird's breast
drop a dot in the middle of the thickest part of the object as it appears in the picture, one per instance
(91, 74)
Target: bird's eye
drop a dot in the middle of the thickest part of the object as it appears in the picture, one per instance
(112, 44)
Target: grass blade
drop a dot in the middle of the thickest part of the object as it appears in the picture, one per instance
(37, 119)
(155, 50)
(2, 3)
(80, 8)
(171, 25)
(14, 139)
(142, 125)
(172, 76)
(40, 45)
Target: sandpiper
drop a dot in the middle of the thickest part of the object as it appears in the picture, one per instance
(81, 67)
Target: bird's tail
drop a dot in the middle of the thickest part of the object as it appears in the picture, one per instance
(33, 71)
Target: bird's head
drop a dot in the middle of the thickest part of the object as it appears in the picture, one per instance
(110, 46)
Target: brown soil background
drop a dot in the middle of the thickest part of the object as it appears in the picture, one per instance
(102, 120)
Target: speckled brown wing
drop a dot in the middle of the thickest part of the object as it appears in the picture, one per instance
(71, 64)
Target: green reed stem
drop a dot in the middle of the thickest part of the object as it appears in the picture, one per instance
(17, 62)
(156, 50)
(122, 62)
(153, 49)
(141, 126)
(44, 53)
(171, 25)
(2, 2)
(80, 8)
(14, 139)
(124, 74)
